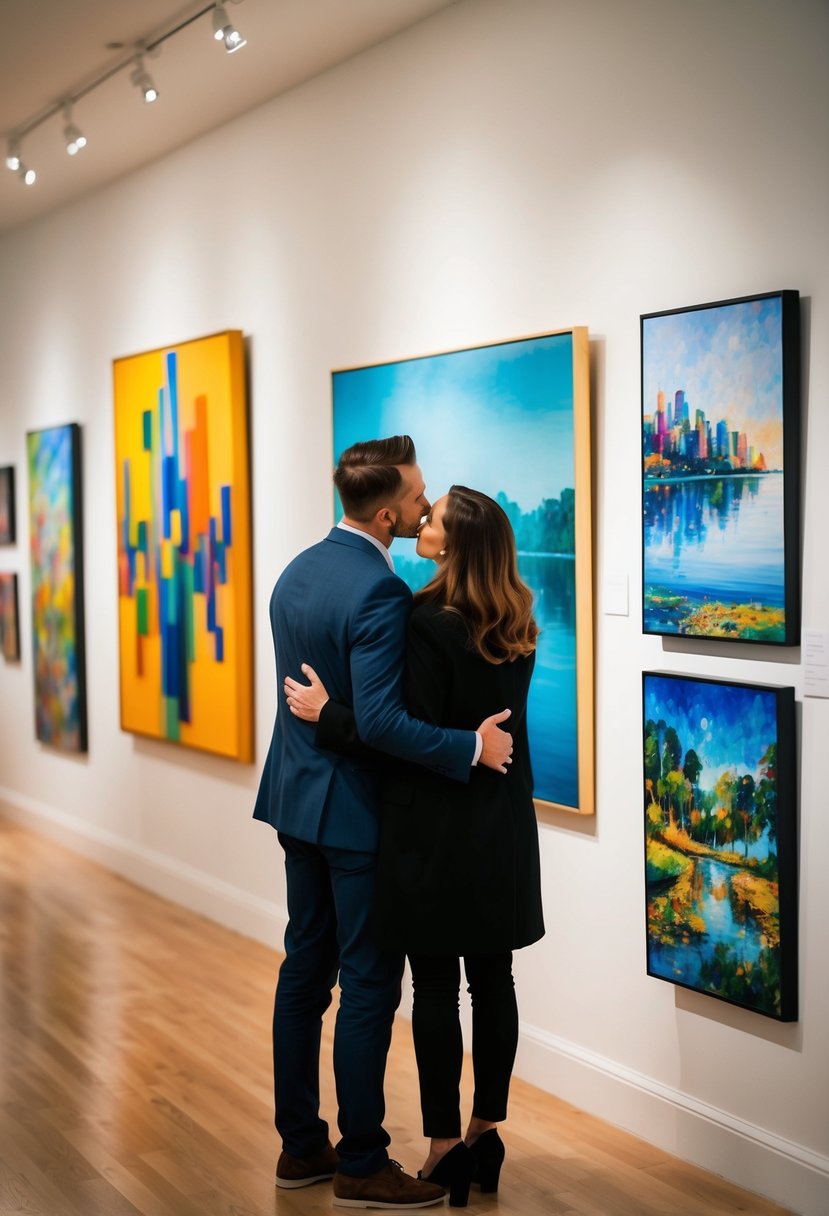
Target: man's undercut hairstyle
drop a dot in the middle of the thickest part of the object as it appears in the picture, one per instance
(367, 477)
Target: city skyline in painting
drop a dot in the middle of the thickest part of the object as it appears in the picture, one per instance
(719, 470)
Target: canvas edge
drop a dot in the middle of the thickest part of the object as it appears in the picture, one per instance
(244, 558)
(78, 571)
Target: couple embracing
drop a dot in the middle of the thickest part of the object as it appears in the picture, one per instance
(407, 823)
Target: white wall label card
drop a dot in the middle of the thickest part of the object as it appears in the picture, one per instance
(616, 595)
(816, 663)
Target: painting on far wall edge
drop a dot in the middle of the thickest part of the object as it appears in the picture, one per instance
(480, 474)
(66, 729)
(9, 618)
(7, 506)
(700, 577)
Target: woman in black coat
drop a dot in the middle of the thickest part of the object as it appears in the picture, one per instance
(458, 867)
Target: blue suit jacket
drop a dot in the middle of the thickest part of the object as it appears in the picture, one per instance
(340, 608)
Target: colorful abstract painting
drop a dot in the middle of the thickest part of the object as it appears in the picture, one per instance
(184, 565)
(9, 622)
(7, 516)
(720, 813)
(512, 420)
(56, 550)
(720, 470)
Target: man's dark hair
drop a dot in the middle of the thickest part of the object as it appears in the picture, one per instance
(367, 476)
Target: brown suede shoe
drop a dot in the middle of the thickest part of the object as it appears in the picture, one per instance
(294, 1172)
(388, 1188)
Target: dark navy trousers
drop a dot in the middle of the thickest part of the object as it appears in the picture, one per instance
(330, 931)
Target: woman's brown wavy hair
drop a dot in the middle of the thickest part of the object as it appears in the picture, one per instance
(479, 580)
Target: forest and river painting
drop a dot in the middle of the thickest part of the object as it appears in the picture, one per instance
(719, 811)
(719, 474)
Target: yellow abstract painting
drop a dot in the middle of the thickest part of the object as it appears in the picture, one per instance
(184, 564)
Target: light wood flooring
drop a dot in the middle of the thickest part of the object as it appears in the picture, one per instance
(135, 1074)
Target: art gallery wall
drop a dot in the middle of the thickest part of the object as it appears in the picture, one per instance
(497, 171)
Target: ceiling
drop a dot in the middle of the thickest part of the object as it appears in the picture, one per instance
(52, 49)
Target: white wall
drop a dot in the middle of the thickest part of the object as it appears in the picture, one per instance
(499, 170)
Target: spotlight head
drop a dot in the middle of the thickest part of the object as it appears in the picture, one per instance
(142, 80)
(13, 156)
(224, 31)
(74, 139)
(28, 176)
(234, 40)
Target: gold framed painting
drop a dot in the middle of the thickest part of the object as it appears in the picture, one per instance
(512, 419)
(184, 553)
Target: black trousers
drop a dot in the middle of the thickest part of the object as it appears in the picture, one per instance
(439, 1044)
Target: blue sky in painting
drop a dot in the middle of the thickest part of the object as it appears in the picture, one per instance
(729, 726)
(479, 417)
(729, 361)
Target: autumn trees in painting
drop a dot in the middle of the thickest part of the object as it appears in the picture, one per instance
(719, 813)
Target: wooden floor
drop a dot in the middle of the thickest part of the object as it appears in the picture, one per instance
(135, 1074)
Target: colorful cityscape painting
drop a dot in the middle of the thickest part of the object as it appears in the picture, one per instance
(720, 470)
(9, 622)
(510, 419)
(719, 800)
(56, 551)
(184, 561)
(7, 516)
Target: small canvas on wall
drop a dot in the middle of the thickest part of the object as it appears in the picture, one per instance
(9, 622)
(511, 419)
(56, 549)
(720, 865)
(720, 470)
(184, 565)
(7, 517)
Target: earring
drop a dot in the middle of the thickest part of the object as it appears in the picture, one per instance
(442, 553)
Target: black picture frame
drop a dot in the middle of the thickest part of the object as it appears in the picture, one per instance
(720, 496)
(8, 527)
(720, 820)
(9, 618)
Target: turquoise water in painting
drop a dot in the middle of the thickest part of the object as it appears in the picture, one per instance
(500, 419)
(716, 536)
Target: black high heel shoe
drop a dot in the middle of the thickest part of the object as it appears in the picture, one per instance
(487, 1156)
(454, 1170)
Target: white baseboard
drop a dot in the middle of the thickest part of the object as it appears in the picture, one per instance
(174, 880)
(747, 1155)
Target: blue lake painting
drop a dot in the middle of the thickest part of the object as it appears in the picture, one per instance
(500, 419)
(716, 815)
(714, 552)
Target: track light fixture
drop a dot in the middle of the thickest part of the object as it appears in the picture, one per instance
(74, 139)
(225, 31)
(72, 136)
(142, 80)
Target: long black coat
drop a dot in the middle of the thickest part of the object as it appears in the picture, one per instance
(458, 865)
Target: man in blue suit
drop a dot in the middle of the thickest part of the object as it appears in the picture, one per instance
(341, 602)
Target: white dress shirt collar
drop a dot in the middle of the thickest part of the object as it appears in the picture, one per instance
(371, 539)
